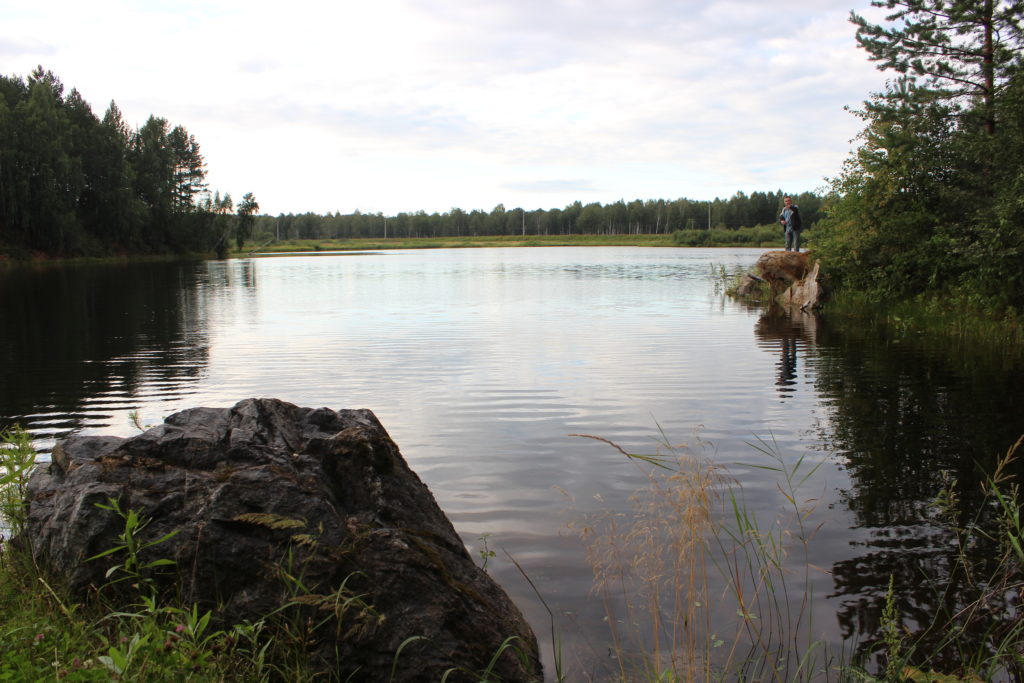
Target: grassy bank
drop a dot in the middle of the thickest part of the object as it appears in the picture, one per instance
(762, 236)
(960, 324)
(768, 237)
(48, 636)
(481, 241)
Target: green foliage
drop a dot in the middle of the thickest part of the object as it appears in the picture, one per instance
(757, 236)
(487, 675)
(72, 184)
(930, 202)
(48, 637)
(955, 49)
(17, 458)
(133, 566)
(246, 218)
(147, 643)
(637, 218)
(891, 636)
(485, 551)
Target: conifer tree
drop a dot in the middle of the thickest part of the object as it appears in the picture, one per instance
(953, 50)
(246, 217)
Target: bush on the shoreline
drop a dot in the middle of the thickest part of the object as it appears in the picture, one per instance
(769, 236)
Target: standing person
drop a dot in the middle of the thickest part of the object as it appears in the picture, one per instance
(791, 223)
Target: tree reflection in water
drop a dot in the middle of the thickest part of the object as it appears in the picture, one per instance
(82, 342)
(907, 417)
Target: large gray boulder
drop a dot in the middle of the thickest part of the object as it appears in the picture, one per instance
(267, 489)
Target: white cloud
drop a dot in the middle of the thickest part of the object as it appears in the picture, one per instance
(400, 105)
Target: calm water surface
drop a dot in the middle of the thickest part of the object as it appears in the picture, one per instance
(482, 363)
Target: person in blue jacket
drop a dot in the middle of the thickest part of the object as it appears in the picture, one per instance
(791, 223)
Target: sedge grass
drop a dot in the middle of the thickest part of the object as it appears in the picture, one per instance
(697, 588)
(978, 634)
(687, 548)
(958, 323)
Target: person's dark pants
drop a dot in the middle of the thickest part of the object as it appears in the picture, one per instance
(792, 240)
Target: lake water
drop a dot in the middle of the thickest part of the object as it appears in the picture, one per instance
(483, 364)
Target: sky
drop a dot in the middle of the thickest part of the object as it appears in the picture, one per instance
(408, 105)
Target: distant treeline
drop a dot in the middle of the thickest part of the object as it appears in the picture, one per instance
(653, 216)
(74, 184)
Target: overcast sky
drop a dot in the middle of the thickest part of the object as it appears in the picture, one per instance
(403, 105)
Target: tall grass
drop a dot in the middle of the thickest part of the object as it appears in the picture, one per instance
(978, 633)
(958, 322)
(697, 588)
(655, 561)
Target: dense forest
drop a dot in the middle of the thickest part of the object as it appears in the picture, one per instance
(72, 184)
(652, 216)
(933, 200)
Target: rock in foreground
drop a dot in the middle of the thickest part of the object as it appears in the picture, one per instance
(267, 488)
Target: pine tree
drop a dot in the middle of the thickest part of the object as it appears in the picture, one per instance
(246, 218)
(189, 174)
(951, 50)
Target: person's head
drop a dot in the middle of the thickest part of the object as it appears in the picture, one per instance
(788, 201)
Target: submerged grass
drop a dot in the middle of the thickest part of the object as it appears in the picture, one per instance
(696, 588)
(688, 548)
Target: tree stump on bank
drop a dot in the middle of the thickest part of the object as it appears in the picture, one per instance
(794, 281)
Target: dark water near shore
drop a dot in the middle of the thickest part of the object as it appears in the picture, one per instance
(482, 363)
